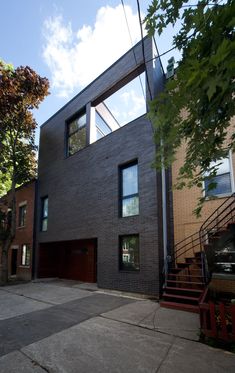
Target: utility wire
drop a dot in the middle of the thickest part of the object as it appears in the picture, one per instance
(189, 37)
(143, 51)
(128, 28)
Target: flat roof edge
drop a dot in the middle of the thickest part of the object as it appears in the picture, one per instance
(98, 77)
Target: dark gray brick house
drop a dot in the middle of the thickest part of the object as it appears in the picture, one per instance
(100, 199)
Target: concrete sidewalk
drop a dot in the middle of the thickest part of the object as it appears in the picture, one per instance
(60, 326)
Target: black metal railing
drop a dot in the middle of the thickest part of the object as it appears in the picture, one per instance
(196, 242)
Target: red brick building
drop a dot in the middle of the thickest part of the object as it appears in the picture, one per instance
(21, 252)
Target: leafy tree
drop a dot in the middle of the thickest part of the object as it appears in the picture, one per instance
(21, 90)
(197, 105)
(5, 183)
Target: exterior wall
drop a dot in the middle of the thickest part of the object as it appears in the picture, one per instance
(83, 203)
(24, 235)
(185, 201)
(83, 189)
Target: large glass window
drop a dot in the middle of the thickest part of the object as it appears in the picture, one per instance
(44, 216)
(222, 179)
(25, 255)
(129, 253)
(22, 215)
(76, 135)
(129, 200)
(102, 129)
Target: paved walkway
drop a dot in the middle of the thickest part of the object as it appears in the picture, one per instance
(64, 326)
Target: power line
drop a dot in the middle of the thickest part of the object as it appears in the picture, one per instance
(143, 51)
(162, 54)
(133, 48)
(189, 37)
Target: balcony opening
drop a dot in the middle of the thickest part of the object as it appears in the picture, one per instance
(119, 108)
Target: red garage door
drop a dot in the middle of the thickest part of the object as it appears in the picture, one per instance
(74, 260)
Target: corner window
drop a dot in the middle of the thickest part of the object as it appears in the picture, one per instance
(25, 255)
(102, 128)
(222, 179)
(129, 195)
(76, 134)
(44, 216)
(22, 215)
(129, 253)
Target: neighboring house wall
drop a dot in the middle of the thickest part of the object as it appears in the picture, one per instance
(185, 201)
(21, 252)
(83, 189)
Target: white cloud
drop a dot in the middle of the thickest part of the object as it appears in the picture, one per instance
(75, 58)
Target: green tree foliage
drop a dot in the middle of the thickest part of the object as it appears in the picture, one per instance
(202, 89)
(5, 183)
(21, 90)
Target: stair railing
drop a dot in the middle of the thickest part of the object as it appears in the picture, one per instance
(218, 220)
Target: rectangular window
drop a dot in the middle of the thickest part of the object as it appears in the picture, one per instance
(102, 128)
(76, 134)
(44, 216)
(25, 255)
(22, 215)
(129, 196)
(129, 253)
(222, 179)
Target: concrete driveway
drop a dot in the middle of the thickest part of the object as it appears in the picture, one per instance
(64, 326)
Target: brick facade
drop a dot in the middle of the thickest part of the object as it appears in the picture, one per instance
(25, 195)
(83, 189)
(185, 201)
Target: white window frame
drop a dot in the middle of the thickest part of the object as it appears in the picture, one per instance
(24, 256)
(231, 180)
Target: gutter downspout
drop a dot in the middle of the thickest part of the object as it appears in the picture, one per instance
(164, 222)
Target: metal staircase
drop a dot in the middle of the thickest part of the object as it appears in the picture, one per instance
(189, 273)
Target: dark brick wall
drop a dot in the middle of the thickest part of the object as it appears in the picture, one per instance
(83, 203)
(83, 189)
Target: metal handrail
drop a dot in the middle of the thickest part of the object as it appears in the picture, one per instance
(211, 225)
(216, 210)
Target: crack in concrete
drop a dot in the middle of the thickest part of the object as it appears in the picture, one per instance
(35, 362)
(27, 297)
(166, 355)
(155, 330)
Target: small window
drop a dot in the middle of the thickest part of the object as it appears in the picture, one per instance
(25, 255)
(129, 198)
(22, 215)
(222, 179)
(129, 253)
(44, 218)
(76, 134)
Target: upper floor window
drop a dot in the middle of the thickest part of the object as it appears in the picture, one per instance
(44, 216)
(129, 194)
(76, 134)
(102, 128)
(22, 215)
(223, 179)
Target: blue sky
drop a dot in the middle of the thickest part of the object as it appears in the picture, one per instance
(70, 42)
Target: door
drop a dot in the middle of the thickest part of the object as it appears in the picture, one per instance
(13, 261)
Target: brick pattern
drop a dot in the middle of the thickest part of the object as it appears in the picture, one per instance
(83, 203)
(83, 189)
(24, 235)
(185, 201)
